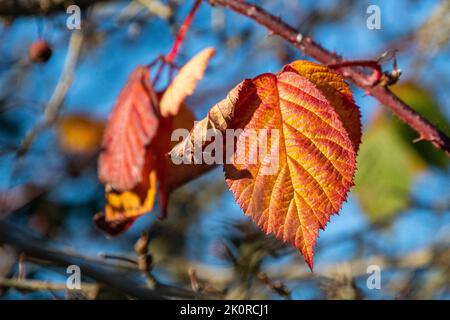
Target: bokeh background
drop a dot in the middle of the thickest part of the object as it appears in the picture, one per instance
(397, 215)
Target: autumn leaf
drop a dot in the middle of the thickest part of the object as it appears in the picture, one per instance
(79, 134)
(185, 82)
(158, 173)
(309, 106)
(131, 127)
(333, 87)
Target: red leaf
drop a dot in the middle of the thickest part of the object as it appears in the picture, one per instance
(131, 127)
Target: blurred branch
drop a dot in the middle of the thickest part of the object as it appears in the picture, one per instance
(17, 197)
(91, 289)
(53, 106)
(38, 248)
(357, 267)
(309, 47)
(41, 7)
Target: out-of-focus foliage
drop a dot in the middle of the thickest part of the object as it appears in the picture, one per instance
(79, 134)
(387, 165)
(421, 100)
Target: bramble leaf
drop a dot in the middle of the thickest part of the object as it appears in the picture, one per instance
(316, 162)
(130, 128)
(293, 191)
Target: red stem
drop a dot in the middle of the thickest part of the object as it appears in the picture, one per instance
(309, 47)
(374, 65)
(182, 33)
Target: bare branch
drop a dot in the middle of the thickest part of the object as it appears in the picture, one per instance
(123, 281)
(90, 289)
(53, 106)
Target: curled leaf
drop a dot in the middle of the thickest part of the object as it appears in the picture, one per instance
(185, 82)
(122, 208)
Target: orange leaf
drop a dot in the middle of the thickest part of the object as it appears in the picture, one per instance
(185, 82)
(135, 202)
(311, 122)
(131, 127)
(164, 167)
(316, 160)
(122, 208)
(335, 90)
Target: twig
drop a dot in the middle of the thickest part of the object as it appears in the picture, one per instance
(309, 47)
(53, 106)
(124, 281)
(276, 286)
(182, 33)
(170, 57)
(91, 289)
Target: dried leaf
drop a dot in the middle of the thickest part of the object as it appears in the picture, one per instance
(185, 82)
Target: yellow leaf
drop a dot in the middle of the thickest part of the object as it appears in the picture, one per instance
(79, 134)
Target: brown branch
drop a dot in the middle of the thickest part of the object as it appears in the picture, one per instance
(38, 248)
(309, 47)
(90, 289)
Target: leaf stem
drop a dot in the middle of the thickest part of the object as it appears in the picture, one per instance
(182, 33)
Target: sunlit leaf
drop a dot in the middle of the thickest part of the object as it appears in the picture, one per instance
(293, 191)
(337, 92)
(316, 161)
(185, 82)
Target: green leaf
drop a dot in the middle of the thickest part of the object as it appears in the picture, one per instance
(422, 101)
(387, 165)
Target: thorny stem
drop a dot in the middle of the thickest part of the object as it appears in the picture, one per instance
(309, 47)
